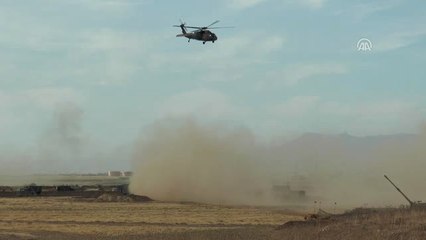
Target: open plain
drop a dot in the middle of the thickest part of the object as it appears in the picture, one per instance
(73, 218)
(112, 218)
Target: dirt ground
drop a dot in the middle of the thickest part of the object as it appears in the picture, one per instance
(367, 224)
(70, 218)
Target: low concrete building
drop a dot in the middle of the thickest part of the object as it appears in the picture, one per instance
(114, 173)
(126, 173)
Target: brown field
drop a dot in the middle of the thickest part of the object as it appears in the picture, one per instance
(70, 218)
(368, 224)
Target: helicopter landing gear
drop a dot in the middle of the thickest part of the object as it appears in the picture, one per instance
(212, 41)
(189, 40)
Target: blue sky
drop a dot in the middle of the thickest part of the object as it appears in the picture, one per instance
(288, 67)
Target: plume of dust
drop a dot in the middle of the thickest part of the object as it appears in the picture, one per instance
(185, 161)
(65, 146)
(405, 164)
(57, 150)
(350, 170)
(61, 145)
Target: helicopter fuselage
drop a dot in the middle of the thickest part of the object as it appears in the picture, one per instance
(200, 35)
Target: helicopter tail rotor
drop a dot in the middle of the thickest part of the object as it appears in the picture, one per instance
(182, 26)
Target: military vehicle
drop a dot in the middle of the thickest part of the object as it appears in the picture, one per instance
(6, 189)
(30, 190)
(65, 188)
(414, 205)
(284, 192)
(123, 189)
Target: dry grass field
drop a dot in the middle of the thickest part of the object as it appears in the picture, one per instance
(68, 218)
(71, 218)
(367, 224)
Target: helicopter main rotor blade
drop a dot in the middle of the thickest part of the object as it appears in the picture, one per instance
(219, 27)
(212, 23)
(193, 27)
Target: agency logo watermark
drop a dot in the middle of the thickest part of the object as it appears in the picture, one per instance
(364, 45)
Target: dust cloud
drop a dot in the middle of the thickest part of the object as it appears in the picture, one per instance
(63, 143)
(185, 160)
(63, 146)
(350, 171)
(58, 148)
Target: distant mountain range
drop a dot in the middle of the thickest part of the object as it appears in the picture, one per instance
(314, 151)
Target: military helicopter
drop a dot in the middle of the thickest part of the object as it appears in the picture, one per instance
(201, 34)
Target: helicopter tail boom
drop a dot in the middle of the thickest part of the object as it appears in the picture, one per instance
(182, 26)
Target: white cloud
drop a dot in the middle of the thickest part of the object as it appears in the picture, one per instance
(50, 97)
(39, 98)
(5, 99)
(241, 4)
(296, 107)
(109, 5)
(313, 4)
(200, 103)
(398, 40)
(294, 74)
(22, 112)
(271, 44)
(312, 113)
(59, 50)
(104, 56)
(121, 55)
(359, 11)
